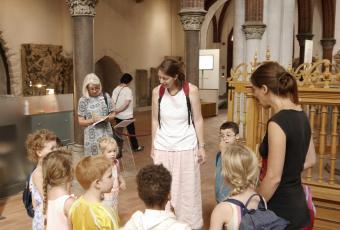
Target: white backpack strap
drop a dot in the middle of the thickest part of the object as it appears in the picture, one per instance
(236, 217)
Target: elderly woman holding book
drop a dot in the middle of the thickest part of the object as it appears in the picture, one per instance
(95, 112)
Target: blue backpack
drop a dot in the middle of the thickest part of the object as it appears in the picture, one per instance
(258, 219)
(221, 190)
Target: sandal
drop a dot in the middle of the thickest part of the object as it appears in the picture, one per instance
(140, 148)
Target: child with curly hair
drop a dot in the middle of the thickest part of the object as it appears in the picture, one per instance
(38, 145)
(154, 184)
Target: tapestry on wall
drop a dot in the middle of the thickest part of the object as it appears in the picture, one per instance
(45, 69)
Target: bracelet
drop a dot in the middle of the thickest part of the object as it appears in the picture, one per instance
(201, 146)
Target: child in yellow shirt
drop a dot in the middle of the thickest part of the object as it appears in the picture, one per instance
(94, 175)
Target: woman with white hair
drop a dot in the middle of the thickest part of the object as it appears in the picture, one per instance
(94, 106)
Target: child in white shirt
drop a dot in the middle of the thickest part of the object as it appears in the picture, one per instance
(108, 147)
(154, 184)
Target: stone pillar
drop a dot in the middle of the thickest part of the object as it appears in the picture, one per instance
(305, 25)
(82, 12)
(239, 41)
(327, 48)
(253, 27)
(302, 37)
(287, 34)
(253, 33)
(328, 28)
(192, 19)
(273, 23)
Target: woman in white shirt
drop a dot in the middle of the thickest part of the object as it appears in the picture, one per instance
(177, 139)
(122, 99)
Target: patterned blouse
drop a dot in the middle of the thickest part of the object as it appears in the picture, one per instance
(38, 219)
(89, 107)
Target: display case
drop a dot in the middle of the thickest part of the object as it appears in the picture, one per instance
(20, 116)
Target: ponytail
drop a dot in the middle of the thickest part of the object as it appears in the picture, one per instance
(277, 79)
(57, 170)
(286, 85)
(45, 200)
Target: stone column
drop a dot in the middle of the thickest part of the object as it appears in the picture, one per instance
(302, 37)
(287, 34)
(192, 19)
(253, 32)
(305, 25)
(239, 41)
(327, 48)
(328, 28)
(253, 27)
(82, 12)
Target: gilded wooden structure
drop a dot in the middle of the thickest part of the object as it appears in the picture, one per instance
(319, 96)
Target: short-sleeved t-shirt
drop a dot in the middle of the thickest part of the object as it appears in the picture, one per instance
(86, 215)
(119, 95)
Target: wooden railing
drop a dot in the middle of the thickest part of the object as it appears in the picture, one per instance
(319, 96)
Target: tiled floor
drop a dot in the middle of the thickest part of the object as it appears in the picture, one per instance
(16, 218)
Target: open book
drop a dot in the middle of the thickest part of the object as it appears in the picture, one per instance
(124, 123)
(101, 120)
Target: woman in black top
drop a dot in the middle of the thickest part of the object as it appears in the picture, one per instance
(287, 145)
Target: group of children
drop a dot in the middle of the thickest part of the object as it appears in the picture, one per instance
(50, 185)
(56, 208)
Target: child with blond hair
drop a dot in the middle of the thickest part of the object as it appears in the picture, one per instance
(58, 174)
(38, 145)
(109, 148)
(94, 174)
(240, 171)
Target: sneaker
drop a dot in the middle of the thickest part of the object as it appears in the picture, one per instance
(140, 148)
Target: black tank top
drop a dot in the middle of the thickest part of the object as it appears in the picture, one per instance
(289, 200)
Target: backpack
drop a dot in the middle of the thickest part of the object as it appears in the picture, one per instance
(260, 218)
(310, 205)
(27, 198)
(185, 86)
(221, 189)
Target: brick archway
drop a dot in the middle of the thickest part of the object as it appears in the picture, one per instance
(109, 72)
(208, 17)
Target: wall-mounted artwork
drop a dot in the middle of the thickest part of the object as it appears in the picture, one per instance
(45, 70)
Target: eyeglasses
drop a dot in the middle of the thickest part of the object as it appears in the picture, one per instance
(226, 135)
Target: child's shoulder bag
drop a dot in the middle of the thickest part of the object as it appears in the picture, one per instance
(260, 218)
(27, 197)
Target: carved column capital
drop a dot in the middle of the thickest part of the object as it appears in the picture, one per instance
(82, 7)
(328, 43)
(192, 19)
(302, 37)
(253, 30)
